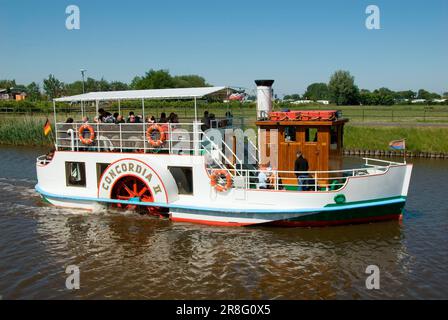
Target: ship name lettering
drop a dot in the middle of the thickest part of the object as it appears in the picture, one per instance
(157, 189)
(128, 167)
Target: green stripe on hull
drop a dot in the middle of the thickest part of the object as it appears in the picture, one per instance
(365, 201)
(373, 212)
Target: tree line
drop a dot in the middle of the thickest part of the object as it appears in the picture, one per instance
(54, 88)
(342, 90)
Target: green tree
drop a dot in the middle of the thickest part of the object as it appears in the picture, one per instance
(189, 81)
(118, 86)
(384, 96)
(317, 91)
(7, 84)
(294, 96)
(342, 88)
(33, 92)
(53, 87)
(408, 94)
(423, 94)
(153, 79)
(73, 88)
(367, 98)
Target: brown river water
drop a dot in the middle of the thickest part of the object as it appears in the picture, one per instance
(127, 256)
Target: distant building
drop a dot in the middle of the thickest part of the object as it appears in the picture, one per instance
(16, 94)
(439, 100)
(418, 101)
(323, 102)
(302, 102)
(4, 94)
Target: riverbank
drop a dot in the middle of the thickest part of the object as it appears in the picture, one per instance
(365, 140)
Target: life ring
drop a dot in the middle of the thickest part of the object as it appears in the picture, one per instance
(91, 137)
(162, 138)
(214, 180)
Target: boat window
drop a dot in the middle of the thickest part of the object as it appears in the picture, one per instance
(100, 168)
(184, 179)
(290, 133)
(75, 173)
(311, 135)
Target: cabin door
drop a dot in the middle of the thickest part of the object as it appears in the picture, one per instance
(311, 153)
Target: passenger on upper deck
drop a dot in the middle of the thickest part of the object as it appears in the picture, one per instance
(150, 119)
(69, 120)
(131, 113)
(105, 116)
(205, 121)
(85, 119)
(119, 119)
(163, 118)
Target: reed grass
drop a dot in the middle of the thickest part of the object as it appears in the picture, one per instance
(24, 131)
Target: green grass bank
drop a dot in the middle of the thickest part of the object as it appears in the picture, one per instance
(418, 139)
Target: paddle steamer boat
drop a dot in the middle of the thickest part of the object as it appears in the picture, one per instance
(178, 171)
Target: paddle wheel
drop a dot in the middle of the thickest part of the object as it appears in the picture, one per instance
(131, 188)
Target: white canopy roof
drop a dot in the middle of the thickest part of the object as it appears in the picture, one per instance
(180, 93)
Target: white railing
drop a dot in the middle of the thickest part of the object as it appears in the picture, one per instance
(309, 180)
(127, 137)
(369, 160)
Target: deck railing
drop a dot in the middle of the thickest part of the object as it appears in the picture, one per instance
(309, 181)
(129, 137)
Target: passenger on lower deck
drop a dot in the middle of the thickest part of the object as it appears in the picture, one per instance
(301, 168)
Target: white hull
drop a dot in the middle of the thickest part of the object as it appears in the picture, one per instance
(238, 206)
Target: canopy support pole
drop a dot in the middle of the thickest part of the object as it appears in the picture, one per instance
(119, 106)
(55, 126)
(195, 110)
(143, 110)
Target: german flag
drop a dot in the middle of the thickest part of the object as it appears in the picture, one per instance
(47, 127)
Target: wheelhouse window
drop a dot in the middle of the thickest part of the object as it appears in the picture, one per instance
(290, 133)
(311, 135)
(100, 168)
(75, 173)
(184, 179)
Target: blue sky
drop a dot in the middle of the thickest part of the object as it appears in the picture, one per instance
(230, 42)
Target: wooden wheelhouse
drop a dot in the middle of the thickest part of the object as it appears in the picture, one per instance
(320, 139)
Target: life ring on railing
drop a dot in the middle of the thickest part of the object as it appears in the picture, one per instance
(162, 135)
(214, 177)
(89, 140)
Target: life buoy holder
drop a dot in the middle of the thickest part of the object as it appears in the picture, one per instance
(214, 177)
(89, 140)
(162, 135)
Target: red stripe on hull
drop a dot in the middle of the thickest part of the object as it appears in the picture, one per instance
(212, 223)
(327, 223)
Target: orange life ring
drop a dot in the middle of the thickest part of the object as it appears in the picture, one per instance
(214, 180)
(162, 138)
(91, 137)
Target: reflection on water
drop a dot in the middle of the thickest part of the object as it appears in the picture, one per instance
(123, 255)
